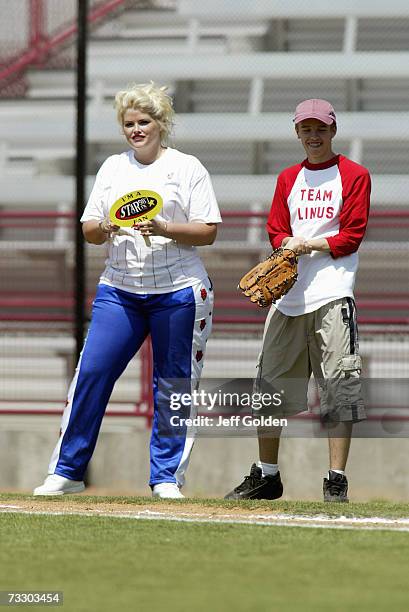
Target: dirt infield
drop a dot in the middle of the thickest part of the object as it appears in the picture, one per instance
(194, 512)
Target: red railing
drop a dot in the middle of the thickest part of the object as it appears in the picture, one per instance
(227, 214)
(41, 45)
(261, 217)
(238, 214)
(143, 406)
(396, 302)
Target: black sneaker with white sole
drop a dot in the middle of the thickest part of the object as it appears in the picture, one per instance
(256, 486)
(335, 488)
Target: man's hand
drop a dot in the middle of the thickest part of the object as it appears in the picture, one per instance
(299, 245)
(319, 244)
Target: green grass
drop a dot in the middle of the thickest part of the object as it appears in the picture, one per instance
(119, 565)
(368, 509)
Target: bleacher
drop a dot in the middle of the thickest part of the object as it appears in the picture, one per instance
(236, 76)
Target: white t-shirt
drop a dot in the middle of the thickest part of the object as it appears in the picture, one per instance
(186, 189)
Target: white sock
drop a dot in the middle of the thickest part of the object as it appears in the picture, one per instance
(268, 469)
(342, 472)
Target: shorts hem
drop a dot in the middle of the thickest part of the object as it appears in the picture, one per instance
(283, 414)
(347, 415)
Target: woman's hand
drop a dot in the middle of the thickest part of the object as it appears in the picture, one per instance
(193, 233)
(153, 227)
(107, 227)
(96, 232)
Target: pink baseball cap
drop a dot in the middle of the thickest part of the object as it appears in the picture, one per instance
(315, 109)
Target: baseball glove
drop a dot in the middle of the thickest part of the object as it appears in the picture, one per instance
(269, 280)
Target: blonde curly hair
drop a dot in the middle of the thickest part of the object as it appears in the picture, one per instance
(150, 99)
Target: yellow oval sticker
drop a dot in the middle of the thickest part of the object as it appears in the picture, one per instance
(135, 207)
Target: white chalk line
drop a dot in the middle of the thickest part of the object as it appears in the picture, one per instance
(272, 520)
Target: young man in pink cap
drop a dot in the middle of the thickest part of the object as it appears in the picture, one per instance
(320, 210)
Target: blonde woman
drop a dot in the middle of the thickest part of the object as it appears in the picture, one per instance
(154, 283)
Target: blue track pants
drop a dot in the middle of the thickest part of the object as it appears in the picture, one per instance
(179, 324)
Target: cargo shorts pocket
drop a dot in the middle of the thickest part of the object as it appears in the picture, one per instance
(351, 364)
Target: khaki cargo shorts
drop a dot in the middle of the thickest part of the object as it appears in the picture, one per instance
(323, 342)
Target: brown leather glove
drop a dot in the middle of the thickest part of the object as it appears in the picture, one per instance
(269, 280)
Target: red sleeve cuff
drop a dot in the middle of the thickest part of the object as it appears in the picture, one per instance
(340, 248)
(332, 245)
(276, 239)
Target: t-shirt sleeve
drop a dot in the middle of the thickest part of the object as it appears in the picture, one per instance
(97, 205)
(279, 222)
(203, 207)
(353, 217)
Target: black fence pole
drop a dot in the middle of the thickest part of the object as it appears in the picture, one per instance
(80, 174)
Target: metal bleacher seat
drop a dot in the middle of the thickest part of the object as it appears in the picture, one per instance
(232, 190)
(361, 131)
(236, 110)
(236, 75)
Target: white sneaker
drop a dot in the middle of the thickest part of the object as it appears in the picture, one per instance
(167, 490)
(58, 485)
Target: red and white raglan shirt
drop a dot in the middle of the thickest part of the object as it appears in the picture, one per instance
(328, 200)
